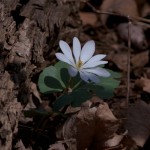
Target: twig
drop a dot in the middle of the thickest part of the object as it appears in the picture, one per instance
(128, 62)
(131, 18)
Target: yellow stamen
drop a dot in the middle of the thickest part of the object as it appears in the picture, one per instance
(79, 64)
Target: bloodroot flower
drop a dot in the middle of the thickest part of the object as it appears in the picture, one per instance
(83, 61)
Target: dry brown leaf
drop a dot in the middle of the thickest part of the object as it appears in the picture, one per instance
(146, 10)
(124, 8)
(35, 91)
(120, 60)
(57, 146)
(137, 35)
(88, 18)
(140, 59)
(20, 146)
(143, 84)
(127, 7)
(96, 123)
(147, 72)
(138, 122)
(45, 105)
(115, 140)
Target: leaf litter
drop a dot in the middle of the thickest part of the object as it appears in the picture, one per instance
(97, 124)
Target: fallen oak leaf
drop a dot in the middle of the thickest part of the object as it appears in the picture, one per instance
(137, 35)
(120, 61)
(140, 59)
(138, 122)
(115, 140)
(143, 84)
(123, 9)
(57, 146)
(35, 91)
(128, 8)
(88, 18)
(90, 123)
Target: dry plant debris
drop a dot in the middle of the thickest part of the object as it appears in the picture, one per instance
(30, 31)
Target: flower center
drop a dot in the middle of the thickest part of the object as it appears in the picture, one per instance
(79, 64)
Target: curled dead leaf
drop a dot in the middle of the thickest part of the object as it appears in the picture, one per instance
(20, 146)
(88, 18)
(57, 146)
(143, 84)
(124, 9)
(128, 8)
(35, 91)
(146, 10)
(120, 61)
(138, 122)
(115, 140)
(137, 35)
(140, 59)
(96, 123)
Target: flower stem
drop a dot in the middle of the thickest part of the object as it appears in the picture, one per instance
(78, 83)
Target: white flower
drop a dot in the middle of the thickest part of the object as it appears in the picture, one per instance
(81, 60)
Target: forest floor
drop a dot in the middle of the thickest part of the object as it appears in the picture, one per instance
(30, 34)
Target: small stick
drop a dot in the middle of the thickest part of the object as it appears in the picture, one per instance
(128, 62)
(130, 19)
(139, 19)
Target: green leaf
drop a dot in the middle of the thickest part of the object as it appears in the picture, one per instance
(82, 93)
(105, 89)
(35, 112)
(80, 96)
(50, 80)
(75, 98)
(63, 69)
(62, 101)
(61, 65)
(115, 75)
(54, 78)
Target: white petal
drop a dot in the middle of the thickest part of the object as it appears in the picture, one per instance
(76, 48)
(87, 51)
(84, 76)
(87, 77)
(66, 50)
(91, 64)
(72, 71)
(94, 78)
(97, 57)
(98, 71)
(63, 58)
